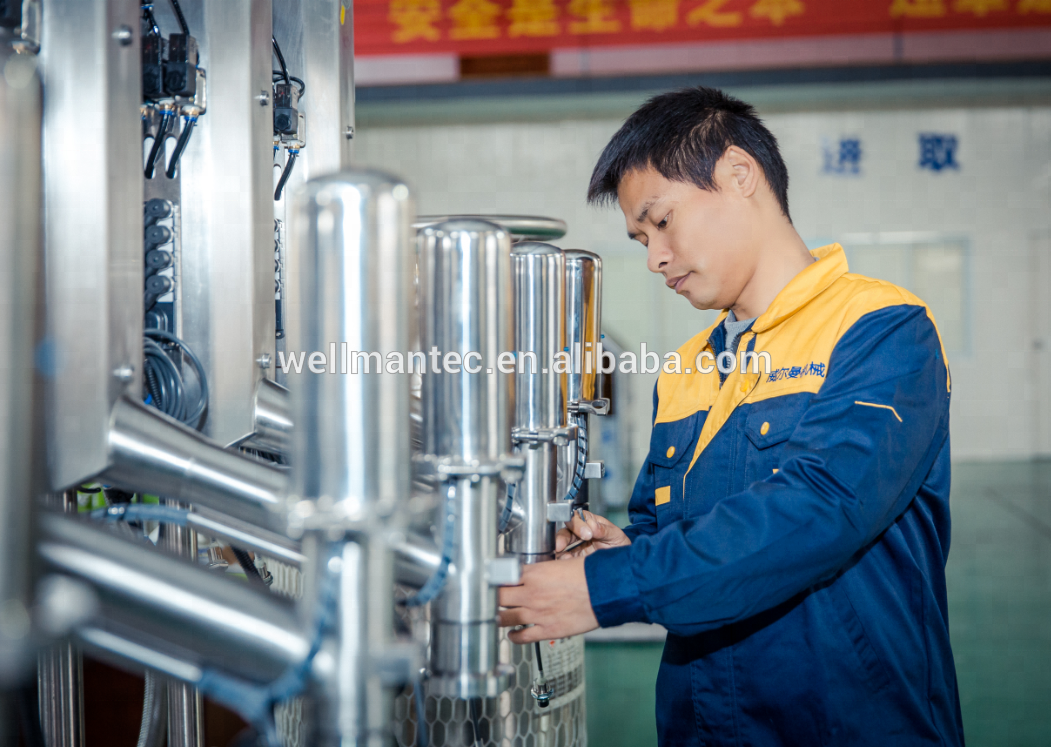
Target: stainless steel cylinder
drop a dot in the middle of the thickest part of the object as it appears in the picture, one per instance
(351, 451)
(465, 324)
(540, 403)
(584, 340)
(21, 251)
(273, 420)
(465, 307)
(583, 321)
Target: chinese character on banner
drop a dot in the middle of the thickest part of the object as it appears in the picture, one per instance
(533, 18)
(979, 7)
(596, 15)
(1034, 6)
(938, 152)
(843, 159)
(917, 8)
(711, 12)
(654, 14)
(415, 19)
(474, 19)
(777, 10)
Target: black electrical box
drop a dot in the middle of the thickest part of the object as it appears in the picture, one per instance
(286, 109)
(152, 66)
(180, 70)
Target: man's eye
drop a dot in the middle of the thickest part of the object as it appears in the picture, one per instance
(664, 223)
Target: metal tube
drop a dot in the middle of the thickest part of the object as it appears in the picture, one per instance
(169, 615)
(152, 453)
(244, 534)
(185, 706)
(60, 680)
(416, 559)
(273, 418)
(584, 340)
(21, 251)
(464, 307)
(521, 227)
(351, 449)
(540, 404)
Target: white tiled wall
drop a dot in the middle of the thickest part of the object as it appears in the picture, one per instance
(998, 202)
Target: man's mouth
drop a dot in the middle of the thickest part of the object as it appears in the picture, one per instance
(676, 283)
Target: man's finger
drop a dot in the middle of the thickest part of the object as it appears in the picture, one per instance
(563, 539)
(512, 617)
(580, 528)
(511, 596)
(528, 635)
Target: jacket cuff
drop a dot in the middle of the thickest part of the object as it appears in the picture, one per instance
(614, 594)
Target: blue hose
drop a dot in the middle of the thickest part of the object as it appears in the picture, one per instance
(434, 584)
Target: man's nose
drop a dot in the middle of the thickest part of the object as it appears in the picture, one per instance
(658, 254)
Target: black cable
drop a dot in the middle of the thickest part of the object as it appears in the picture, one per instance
(180, 146)
(180, 16)
(147, 14)
(289, 165)
(158, 144)
(539, 660)
(248, 566)
(280, 59)
(164, 382)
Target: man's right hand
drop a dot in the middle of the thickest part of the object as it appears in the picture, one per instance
(593, 532)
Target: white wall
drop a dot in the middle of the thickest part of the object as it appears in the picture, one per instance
(998, 202)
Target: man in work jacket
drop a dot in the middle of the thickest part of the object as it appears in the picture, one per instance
(790, 525)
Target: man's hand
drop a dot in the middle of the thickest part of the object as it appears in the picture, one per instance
(597, 532)
(553, 598)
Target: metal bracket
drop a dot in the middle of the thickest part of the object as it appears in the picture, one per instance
(508, 467)
(561, 511)
(589, 406)
(557, 436)
(594, 470)
(504, 571)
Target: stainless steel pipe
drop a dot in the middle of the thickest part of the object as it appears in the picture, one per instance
(540, 400)
(273, 418)
(584, 340)
(153, 608)
(21, 252)
(352, 240)
(152, 453)
(466, 322)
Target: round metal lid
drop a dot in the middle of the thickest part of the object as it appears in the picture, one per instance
(521, 227)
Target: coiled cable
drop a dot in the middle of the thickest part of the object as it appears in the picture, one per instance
(164, 382)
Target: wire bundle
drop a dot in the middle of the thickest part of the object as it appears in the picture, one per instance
(165, 386)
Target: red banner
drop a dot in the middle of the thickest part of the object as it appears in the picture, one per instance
(480, 27)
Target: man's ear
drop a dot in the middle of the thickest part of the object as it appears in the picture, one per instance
(741, 171)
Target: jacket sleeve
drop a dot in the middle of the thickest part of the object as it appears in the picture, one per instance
(641, 508)
(851, 467)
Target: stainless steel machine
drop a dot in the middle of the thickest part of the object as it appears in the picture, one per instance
(218, 332)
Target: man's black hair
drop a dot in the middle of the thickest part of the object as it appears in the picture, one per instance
(682, 134)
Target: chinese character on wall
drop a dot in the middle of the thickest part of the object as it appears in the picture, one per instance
(937, 151)
(656, 15)
(415, 19)
(843, 157)
(533, 18)
(475, 19)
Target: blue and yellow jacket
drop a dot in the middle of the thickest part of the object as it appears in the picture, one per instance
(790, 528)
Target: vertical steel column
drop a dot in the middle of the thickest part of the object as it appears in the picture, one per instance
(227, 314)
(351, 458)
(20, 255)
(317, 38)
(60, 682)
(584, 340)
(539, 272)
(93, 206)
(185, 706)
(465, 308)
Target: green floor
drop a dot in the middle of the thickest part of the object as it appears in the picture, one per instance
(999, 578)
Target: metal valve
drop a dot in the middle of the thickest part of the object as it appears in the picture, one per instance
(541, 691)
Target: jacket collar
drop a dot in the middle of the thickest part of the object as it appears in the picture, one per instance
(831, 265)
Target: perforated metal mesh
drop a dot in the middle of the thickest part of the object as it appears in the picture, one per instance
(288, 581)
(513, 719)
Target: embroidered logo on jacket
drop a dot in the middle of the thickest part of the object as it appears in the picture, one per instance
(795, 372)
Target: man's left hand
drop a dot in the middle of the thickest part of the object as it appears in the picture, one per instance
(553, 598)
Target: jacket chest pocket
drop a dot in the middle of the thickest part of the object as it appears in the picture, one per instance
(768, 426)
(671, 449)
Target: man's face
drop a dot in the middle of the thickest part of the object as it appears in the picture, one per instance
(698, 240)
